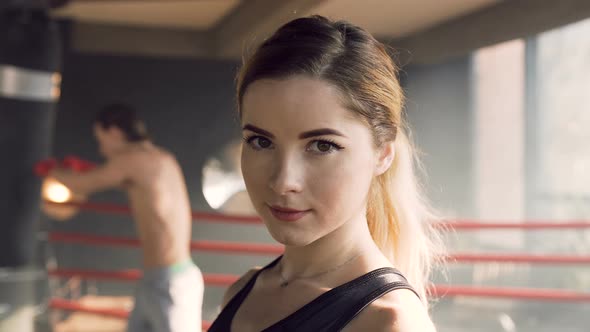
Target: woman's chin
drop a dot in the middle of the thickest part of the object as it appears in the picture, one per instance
(290, 238)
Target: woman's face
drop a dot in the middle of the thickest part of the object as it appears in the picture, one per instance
(307, 161)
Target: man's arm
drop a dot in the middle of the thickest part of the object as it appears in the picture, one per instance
(109, 175)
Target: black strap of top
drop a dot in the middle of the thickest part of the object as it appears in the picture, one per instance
(394, 279)
(224, 320)
(331, 311)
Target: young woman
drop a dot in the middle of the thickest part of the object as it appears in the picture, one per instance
(330, 169)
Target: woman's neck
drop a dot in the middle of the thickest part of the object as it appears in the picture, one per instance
(336, 249)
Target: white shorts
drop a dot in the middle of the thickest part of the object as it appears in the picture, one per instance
(168, 299)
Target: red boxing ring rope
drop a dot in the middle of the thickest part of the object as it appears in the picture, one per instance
(271, 249)
(76, 306)
(212, 279)
(239, 219)
(124, 210)
(438, 290)
(465, 225)
(57, 303)
(217, 246)
(516, 258)
(511, 293)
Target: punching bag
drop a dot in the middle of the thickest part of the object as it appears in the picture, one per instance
(30, 56)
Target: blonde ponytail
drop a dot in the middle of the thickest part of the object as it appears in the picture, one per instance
(400, 220)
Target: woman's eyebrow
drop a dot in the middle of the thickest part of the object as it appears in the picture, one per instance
(304, 135)
(258, 130)
(320, 132)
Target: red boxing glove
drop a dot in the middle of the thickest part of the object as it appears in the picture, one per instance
(44, 167)
(76, 164)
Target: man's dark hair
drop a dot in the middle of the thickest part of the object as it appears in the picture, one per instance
(125, 118)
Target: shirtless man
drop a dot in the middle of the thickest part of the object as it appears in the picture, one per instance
(170, 294)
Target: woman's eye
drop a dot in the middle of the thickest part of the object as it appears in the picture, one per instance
(258, 142)
(324, 147)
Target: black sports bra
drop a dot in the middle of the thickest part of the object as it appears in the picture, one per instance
(331, 311)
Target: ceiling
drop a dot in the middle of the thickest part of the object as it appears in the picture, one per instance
(194, 14)
(388, 18)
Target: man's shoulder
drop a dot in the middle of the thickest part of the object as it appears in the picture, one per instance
(154, 154)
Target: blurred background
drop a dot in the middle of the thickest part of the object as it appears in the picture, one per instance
(498, 97)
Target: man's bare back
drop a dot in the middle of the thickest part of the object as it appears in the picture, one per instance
(159, 202)
(157, 193)
(169, 295)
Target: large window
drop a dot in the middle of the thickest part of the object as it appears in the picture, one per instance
(559, 88)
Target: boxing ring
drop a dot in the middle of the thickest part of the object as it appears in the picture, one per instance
(61, 304)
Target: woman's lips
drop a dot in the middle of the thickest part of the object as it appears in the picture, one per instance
(287, 214)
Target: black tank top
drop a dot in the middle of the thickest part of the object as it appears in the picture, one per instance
(331, 311)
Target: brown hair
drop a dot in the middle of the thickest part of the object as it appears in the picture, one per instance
(125, 118)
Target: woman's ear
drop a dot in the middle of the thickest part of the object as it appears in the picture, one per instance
(385, 156)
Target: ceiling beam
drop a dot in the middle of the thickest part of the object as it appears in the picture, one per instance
(502, 22)
(138, 41)
(252, 21)
(31, 4)
(105, 1)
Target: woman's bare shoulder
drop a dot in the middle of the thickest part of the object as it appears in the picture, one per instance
(397, 311)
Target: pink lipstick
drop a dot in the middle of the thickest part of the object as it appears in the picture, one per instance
(287, 214)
